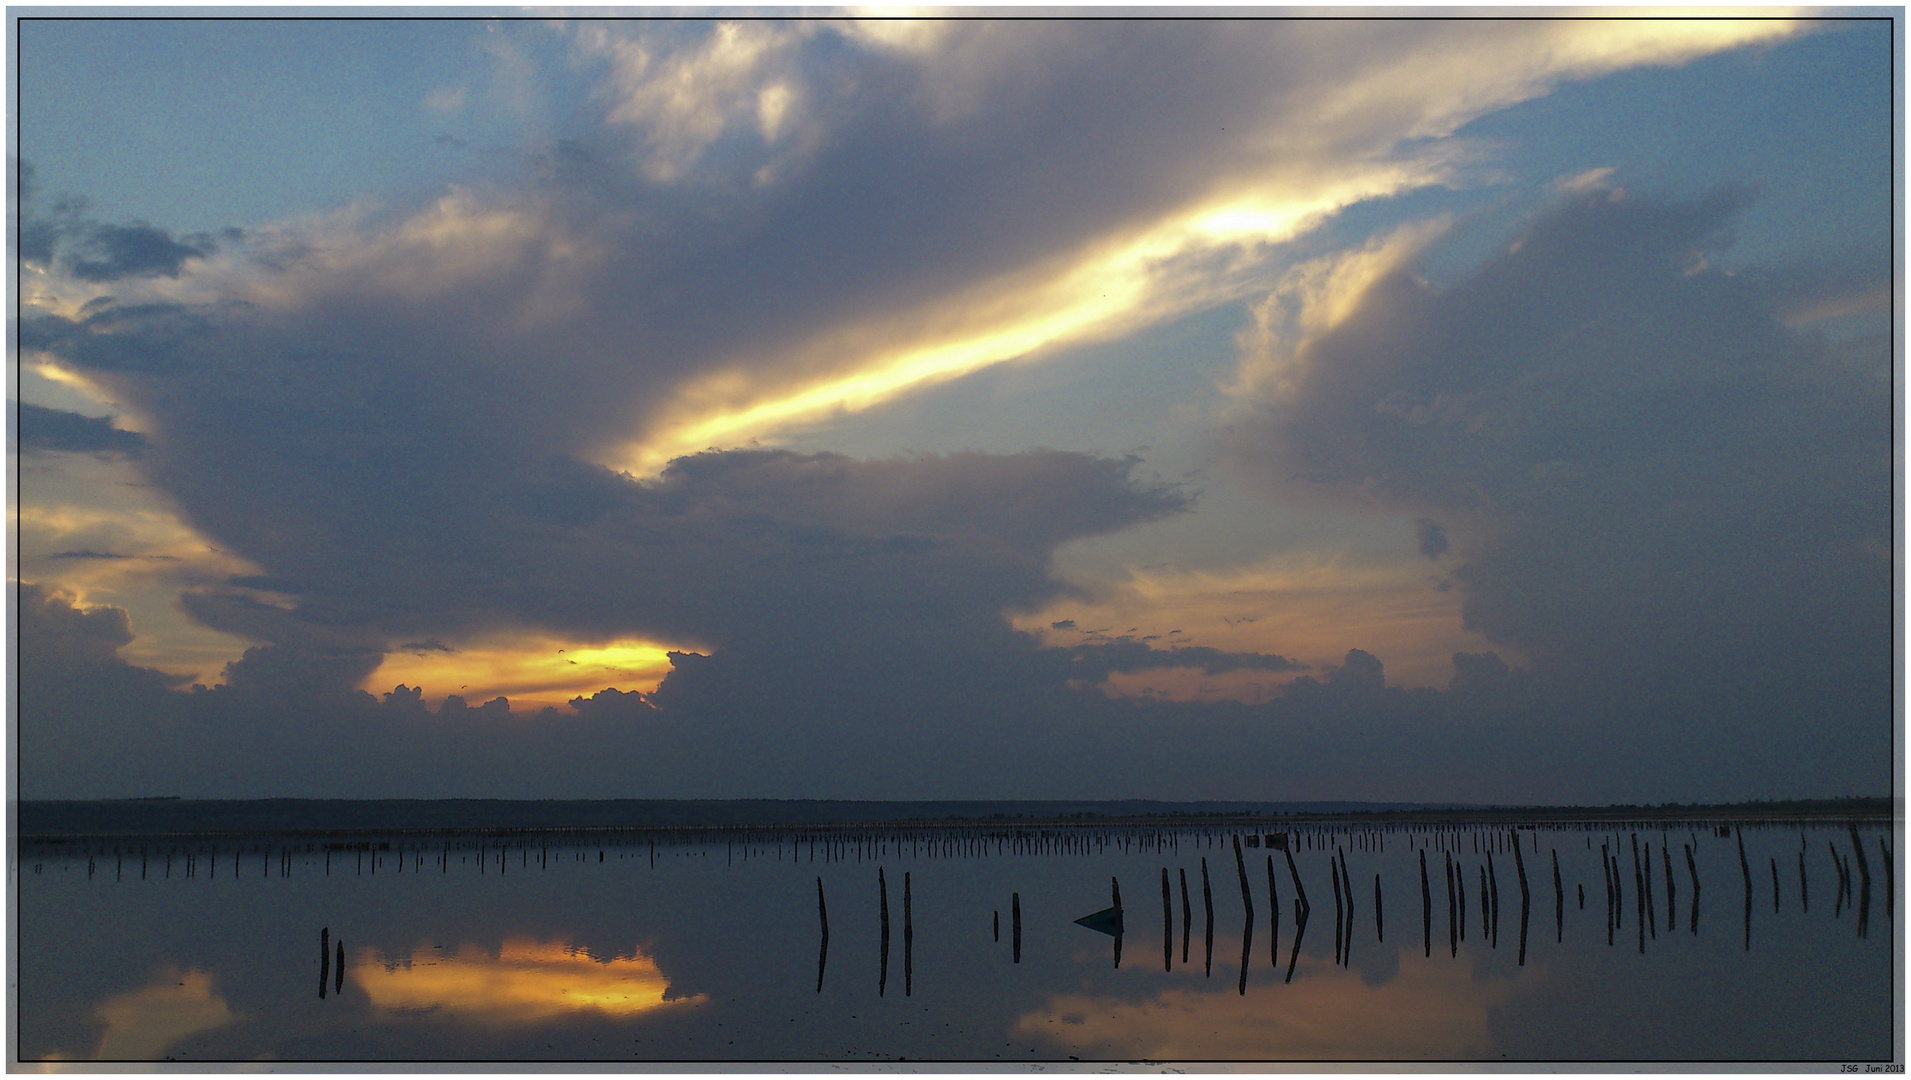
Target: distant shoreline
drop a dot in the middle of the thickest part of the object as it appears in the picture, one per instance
(57, 821)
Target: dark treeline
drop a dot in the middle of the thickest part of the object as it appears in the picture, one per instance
(162, 816)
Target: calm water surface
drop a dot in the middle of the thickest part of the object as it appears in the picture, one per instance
(710, 946)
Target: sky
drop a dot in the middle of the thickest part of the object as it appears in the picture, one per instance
(1430, 410)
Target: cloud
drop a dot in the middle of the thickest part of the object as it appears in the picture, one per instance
(97, 252)
(44, 429)
(1656, 490)
(1431, 538)
(411, 427)
(110, 252)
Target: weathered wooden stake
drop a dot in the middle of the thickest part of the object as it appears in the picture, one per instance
(882, 888)
(1453, 938)
(1493, 878)
(1273, 918)
(1692, 868)
(1333, 872)
(1804, 889)
(822, 947)
(1426, 907)
(1240, 868)
(1380, 931)
(325, 959)
(1745, 868)
(1167, 923)
(1652, 912)
(1890, 885)
(1015, 924)
(1639, 893)
(1559, 902)
(1187, 914)
(1864, 874)
(1671, 888)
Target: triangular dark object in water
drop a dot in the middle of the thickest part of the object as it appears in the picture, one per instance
(1107, 920)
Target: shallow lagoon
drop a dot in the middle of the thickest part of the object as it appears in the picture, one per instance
(707, 945)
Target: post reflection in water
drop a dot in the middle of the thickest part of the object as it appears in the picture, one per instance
(733, 936)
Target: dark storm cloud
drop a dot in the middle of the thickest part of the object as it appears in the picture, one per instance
(100, 252)
(111, 252)
(1431, 537)
(398, 435)
(1097, 661)
(1666, 498)
(44, 429)
(154, 338)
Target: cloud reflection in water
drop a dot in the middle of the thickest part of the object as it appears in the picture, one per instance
(525, 981)
(1426, 1011)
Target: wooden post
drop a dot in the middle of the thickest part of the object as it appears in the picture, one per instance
(1864, 874)
(1838, 868)
(1804, 893)
(1559, 903)
(1890, 885)
(338, 972)
(1606, 867)
(1519, 863)
(1745, 868)
(882, 888)
(1380, 931)
(1774, 884)
(1453, 937)
(1491, 933)
(1652, 913)
(1300, 891)
(1207, 903)
(1347, 947)
(1426, 907)
(1333, 872)
(1240, 868)
(822, 948)
(1273, 917)
(1300, 931)
(909, 940)
(1458, 899)
(1167, 923)
(1692, 868)
(1493, 878)
(325, 959)
(1187, 914)
(1639, 893)
(1671, 889)
(1015, 924)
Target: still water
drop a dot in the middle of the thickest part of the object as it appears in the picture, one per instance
(711, 946)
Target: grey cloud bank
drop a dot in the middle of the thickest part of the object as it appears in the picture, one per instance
(1675, 505)
(1633, 471)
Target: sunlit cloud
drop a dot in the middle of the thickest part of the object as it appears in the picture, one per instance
(1189, 261)
(141, 1025)
(524, 982)
(1310, 607)
(532, 671)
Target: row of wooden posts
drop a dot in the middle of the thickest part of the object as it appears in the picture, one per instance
(1488, 891)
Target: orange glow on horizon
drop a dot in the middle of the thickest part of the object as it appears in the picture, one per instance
(525, 981)
(530, 671)
(1305, 607)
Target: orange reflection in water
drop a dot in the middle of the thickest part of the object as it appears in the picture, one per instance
(524, 981)
(1328, 1012)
